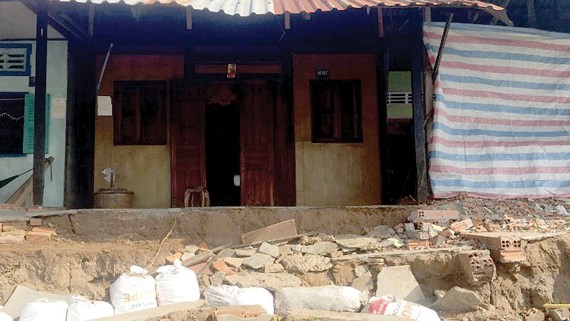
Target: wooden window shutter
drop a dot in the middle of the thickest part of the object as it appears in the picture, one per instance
(28, 141)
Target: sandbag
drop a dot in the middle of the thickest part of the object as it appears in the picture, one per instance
(83, 310)
(133, 291)
(38, 310)
(387, 305)
(329, 298)
(227, 295)
(5, 317)
(176, 283)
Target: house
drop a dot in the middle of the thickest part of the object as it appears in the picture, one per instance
(275, 104)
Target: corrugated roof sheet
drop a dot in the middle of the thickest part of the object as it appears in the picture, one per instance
(249, 7)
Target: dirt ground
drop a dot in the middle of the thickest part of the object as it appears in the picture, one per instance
(66, 266)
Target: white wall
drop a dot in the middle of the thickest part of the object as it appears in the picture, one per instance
(57, 89)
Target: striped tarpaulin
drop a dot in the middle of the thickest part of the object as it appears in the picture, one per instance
(501, 126)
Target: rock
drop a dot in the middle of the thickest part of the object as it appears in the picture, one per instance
(186, 256)
(270, 281)
(234, 262)
(382, 232)
(273, 268)
(245, 252)
(329, 238)
(409, 227)
(439, 293)
(458, 299)
(320, 248)
(418, 235)
(191, 248)
(358, 242)
(306, 263)
(226, 253)
(399, 281)
(438, 240)
(392, 242)
(316, 279)
(336, 254)
(258, 260)
(328, 298)
(343, 274)
(217, 278)
(364, 283)
(271, 250)
(534, 314)
(285, 249)
(361, 269)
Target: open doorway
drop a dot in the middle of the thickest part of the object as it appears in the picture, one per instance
(223, 154)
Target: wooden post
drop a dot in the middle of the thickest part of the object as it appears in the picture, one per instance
(40, 102)
(417, 52)
(382, 69)
(189, 46)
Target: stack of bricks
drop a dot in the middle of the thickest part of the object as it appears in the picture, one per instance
(32, 230)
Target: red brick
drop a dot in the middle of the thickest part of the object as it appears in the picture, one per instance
(221, 266)
(198, 267)
(176, 256)
(35, 236)
(461, 225)
(44, 229)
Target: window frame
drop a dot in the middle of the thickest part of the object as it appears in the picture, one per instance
(5, 95)
(28, 65)
(337, 114)
(119, 87)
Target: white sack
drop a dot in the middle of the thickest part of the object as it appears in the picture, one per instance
(38, 310)
(176, 283)
(84, 310)
(388, 305)
(5, 317)
(226, 295)
(133, 291)
(328, 298)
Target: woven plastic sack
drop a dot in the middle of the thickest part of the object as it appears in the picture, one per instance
(133, 291)
(227, 295)
(83, 310)
(42, 310)
(387, 305)
(5, 317)
(176, 283)
(328, 298)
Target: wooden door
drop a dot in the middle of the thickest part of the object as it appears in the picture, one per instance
(187, 137)
(257, 105)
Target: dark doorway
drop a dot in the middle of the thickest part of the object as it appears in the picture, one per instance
(223, 153)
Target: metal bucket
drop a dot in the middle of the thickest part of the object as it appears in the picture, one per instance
(113, 198)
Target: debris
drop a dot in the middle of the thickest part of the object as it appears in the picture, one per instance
(477, 266)
(258, 260)
(364, 283)
(358, 242)
(433, 215)
(272, 232)
(234, 262)
(186, 256)
(306, 263)
(35, 221)
(34, 236)
(461, 225)
(217, 279)
(171, 258)
(226, 253)
(559, 314)
(399, 281)
(273, 268)
(343, 274)
(202, 257)
(418, 235)
(245, 252)
(382, 232)
(309, 240)
(220, 265)
(269, 249)
(328, 298)
(360, 270)
(391, 306)
(320, 248)
(270, 281)
(457, 299)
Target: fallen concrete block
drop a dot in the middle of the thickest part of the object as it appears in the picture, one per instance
(418, 235)
(320, 248)
(313, 315)
(172, 312)
(306, 263)
(477, 266)
(433, 215)
(258, 260)
(272, 232)
(399, 281)
(328, 298)
(457, 299)
(245, 252)
(270, 281)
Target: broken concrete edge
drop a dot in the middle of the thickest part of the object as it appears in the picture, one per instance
(318, 315)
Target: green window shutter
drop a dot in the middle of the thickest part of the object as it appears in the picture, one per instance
(28, 141)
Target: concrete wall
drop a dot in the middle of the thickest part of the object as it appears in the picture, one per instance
(57, 89)
(144, 170)
(331, 174)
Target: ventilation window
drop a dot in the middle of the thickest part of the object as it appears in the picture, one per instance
(15, 59)
(399, 98)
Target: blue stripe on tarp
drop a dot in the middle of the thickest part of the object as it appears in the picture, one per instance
(497, 133)
(488, 185)
(508, 56)
(501, 108)
(506, 83)
(499, 157)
